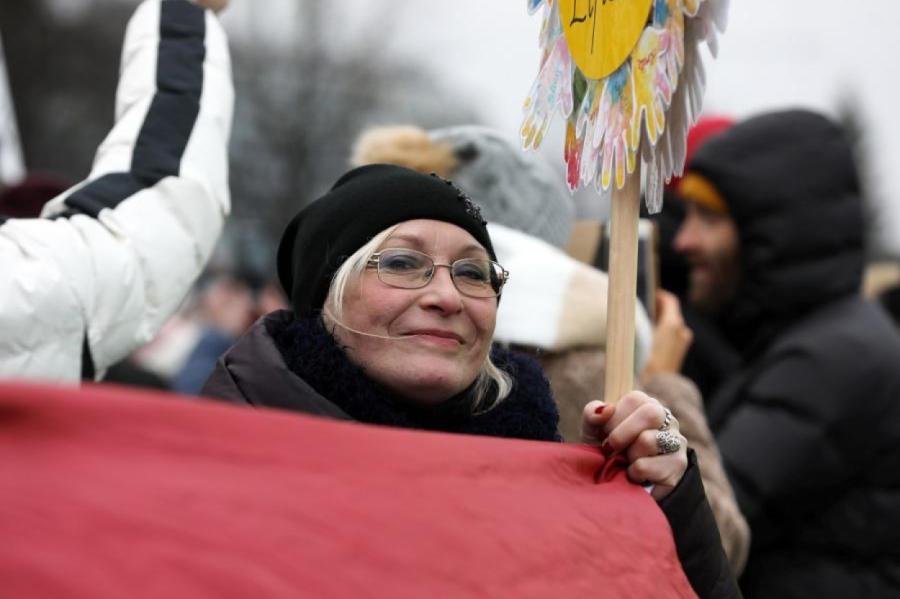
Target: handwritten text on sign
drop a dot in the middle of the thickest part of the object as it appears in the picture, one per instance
(602, 33)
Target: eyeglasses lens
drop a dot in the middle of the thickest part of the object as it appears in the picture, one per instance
(409, 269)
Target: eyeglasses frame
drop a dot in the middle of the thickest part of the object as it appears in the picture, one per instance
(373, 261)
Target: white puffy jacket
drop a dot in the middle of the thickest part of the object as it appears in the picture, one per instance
(112, 258)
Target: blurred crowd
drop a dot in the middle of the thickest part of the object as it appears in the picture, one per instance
(770, 334)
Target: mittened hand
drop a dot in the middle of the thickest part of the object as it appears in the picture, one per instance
(646, 433)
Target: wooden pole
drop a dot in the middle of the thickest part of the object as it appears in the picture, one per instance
(622, 293)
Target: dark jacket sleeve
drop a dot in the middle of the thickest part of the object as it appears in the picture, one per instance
(697, 537)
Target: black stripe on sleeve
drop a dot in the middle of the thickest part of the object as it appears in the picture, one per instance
(167, 127)
(105, 192)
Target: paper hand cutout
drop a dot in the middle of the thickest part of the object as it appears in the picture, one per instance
(551, 90)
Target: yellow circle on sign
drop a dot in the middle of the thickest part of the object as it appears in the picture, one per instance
(602, 33)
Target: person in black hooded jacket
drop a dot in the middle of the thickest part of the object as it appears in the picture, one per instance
(809, 427)
(394, 287)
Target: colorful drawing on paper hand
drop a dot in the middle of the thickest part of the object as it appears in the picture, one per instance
(627, 76)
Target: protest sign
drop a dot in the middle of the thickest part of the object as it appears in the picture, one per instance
(628, 78)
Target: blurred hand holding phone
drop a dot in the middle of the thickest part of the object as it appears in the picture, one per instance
(671, 336)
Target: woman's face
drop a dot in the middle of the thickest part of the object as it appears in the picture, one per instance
(439, 338)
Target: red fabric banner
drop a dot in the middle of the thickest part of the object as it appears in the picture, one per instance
(111, 492)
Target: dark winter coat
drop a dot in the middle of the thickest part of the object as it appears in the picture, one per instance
(255, 371)
(809, 428)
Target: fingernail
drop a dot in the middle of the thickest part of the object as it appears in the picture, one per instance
(606, 449)
(599, 409)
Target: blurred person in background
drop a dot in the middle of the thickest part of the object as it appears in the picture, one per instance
(227, 304)
(554, 308)
(710, 359)
(223, 311)
(238, 286)
(113, 257)
(808, 426)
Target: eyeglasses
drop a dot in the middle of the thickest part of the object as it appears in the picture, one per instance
(409, 269)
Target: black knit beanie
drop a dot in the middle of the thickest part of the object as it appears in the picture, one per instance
(363, 202)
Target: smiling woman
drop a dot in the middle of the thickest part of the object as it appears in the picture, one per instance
(395, 286)
(402, 303)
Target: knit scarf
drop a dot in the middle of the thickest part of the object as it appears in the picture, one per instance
(529, 412)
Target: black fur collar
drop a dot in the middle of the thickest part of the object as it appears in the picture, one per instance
(529, 412)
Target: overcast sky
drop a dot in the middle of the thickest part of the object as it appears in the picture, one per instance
(776, 53)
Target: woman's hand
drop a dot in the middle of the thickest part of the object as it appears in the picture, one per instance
(671, 337)
(645, 432)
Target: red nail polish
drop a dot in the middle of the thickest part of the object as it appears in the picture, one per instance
(600, 409)
(606, 449)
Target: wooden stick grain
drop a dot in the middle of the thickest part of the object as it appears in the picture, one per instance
(622, 292)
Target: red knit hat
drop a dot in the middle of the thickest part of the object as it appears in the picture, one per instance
(705, 128)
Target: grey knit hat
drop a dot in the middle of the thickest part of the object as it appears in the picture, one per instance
(514, 188)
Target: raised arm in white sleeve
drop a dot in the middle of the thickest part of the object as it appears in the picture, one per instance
(112, 258)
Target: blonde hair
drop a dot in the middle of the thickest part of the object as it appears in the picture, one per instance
(353, 268)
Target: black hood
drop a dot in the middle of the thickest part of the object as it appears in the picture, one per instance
(791, 185)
